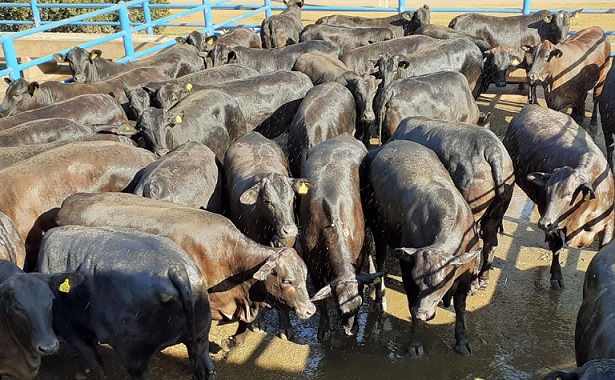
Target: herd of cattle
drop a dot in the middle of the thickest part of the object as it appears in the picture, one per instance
(255, 145)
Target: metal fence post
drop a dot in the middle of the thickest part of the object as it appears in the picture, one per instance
(268, 12)
(527, 7)
(402, 6)
(10, 56)
(207, 16)
(129, 48)
(36, 14)
(147, 16)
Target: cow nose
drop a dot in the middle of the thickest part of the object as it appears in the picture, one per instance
(533, 77)
(48, 348)
(424, 315)
(288, 231)
(161, 152)
(369, 116)
(500, 84)
(80, 78)
(306, 312)
(546, 225)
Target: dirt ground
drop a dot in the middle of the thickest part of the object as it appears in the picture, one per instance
(519, 327)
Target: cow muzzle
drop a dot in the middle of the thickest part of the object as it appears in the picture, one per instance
(161, 152)
(547, 224)
(79, 78)
(368, 116)
(286, 236)
(500, 83)
(306, 310)
(48, 348)
(533, 78)
(423, 314)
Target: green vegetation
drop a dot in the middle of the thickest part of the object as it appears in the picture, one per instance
(55, 14)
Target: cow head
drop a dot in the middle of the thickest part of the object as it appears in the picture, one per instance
(294, 3)
(273, 198)
(196, 39)
(19, 97)
(139, 99)
(81, 63)
(154, 125)
(364, 89)
(25, 303)
(284, 274)
(597, 369)
(413, 21)
(566, 188)
(433, 274)
(543, 54)
(501, 59)
(222, 54)
(390, 67)
(169, 94)
(557, 26)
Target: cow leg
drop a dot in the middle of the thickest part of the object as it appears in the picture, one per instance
(532, 94)
(555, 244)
(87, 349)
(237, 339)
(608, 141)
(202, 365)
(593, 124)
(381, 247)
(324, 327)
(462, 343)
(578, 114)
(258, 324)
(286, 328)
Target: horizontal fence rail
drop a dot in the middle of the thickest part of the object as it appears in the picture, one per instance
(14, 67)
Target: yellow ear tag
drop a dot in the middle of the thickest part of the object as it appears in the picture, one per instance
(576, 15)
(303, 189)
(210, 41)
(178, 119)
(65, 286)
(587, 197)
(515, 62)
(188, 86)
(402, 68)
(377, 281)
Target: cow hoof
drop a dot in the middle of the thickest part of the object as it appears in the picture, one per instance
(483, 284)
(324, 336)
(258, 327)
(286, 334)
(82, 375)
(416, 351)
(228, 344)
(464, 349)
(557, 284)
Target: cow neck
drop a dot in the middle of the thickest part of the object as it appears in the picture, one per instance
(44, 96)
(13, 348)
(341, 264)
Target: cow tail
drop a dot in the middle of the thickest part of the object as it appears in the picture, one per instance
(381, 104)
(179, 278)
(494, 158)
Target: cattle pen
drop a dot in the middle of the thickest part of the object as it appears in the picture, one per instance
(520, 329)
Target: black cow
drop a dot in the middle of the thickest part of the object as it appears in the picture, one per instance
(283, 29)
(360, 60)
(415, 209)
(211, 117)
(235, 37)
(89, 67)
(270, 60)
(190, 175)
(334, 239)
(445, 95)
(401, 25)
(85, 109)
(442, 32)
(599, 369)
(241, 274)
(141, 294)
(606, 106)
(326, 111)
(498, 61)
(479, 166)
(25, 318)
(561, 169)
(459, 55)
(44, 131)
(346, 38)
(22, 95)
(260, 191)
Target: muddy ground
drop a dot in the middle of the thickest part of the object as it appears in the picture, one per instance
(519, 327)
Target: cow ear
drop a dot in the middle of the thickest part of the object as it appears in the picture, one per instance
(8, 80)
(407, 16)
(94, 54)
(576, 13)
(265, 270)
(322, 294)
(232, 57)
(465, 258)
(302, 186)
(588, 191)
(557, 53)
(59, 57)
(181, 40)
(250, 196)
(539, 178)
(404, 253)
(150, 91)
(211, 40)
(548, 18)
(527, 48)
(32, 88)
(64, 282)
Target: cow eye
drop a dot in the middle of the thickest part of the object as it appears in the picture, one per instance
(287, 282)
(17, 96)
(19, 309)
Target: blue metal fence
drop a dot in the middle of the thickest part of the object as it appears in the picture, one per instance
(14, 68)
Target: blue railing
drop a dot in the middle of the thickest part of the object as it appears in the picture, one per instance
(127, 27)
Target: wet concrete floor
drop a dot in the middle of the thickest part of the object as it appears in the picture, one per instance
(519, 327)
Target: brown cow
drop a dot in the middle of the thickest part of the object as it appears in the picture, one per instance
(561, 169)
(569, 69)
(31, 190)
(241, 274)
